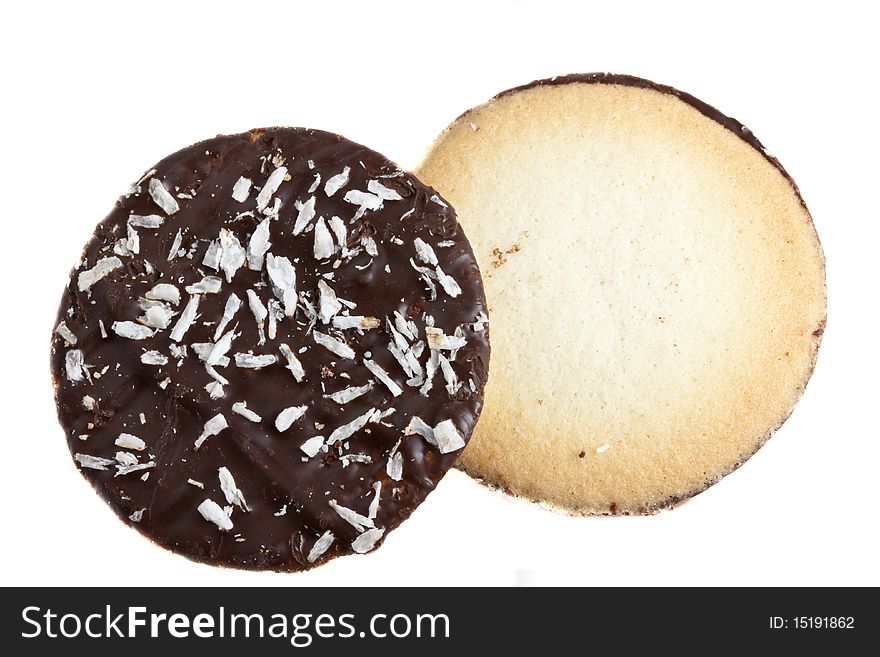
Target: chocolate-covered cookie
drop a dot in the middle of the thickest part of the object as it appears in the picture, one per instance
(272, 349)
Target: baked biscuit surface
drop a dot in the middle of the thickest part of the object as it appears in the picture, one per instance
(655, 285)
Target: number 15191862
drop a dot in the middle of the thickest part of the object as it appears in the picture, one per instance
(813, 623)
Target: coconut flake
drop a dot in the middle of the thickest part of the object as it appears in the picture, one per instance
(438, 201)
(324, 247)
(348, 394)
(306, 214)
(242, 409)
(369, 245)
(437, 339)
(602, 448)
(257, 308)
(89, 403)
(347, 430)
(154, 357)
(213, 512)
(215, 389)
(288, 416)
(328, 304)
(367, 541)
(383, 192)
(65, 333)
(394, 467)
(233, 303)
(337, 182)
(220, 348)
(161, 197)
(232, 493)
(132, 330)
(352, 517)
(417, 426)
(447, 437)
(312, 446)
(208, 285)
(383, 376)
(273, 182)
(355, 321)
(321, 546)
(93, 462)
(163, 292)
(424, 252)
(282, 276)
(364, 200)
(241, 189)
(337, 227)
(122, 470)
(254, 362)
(258, 245)
(130, 441)
(145, 220)
(212, 427)
(453, 385)
(102, 267)
(333, 345)
(157, 315)
(448, 283)
(197, 484)
(374, 505)
(213, 255)
(233, 254)
(186, 319)
(175, 246)
(293, 363)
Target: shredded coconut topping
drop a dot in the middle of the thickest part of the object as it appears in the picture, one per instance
(306, 214)
(258, 245)
(383, 376)
(273, 182)
(346, 431)
(333, 345)
(367, 540)
(232, 493)
(288, 416)
(186, 319)
(337, 182)
(241, 189)
(348, 394)
(102, 267)
(65, 333)
(212, 427)
(213, 512)
(353, 518)
(321, 546)
(383, 192)
(146, 220)
(328, 304)
(241, 409)
(130, 441)
(162, 197)
(254, 362)
(131, 330)
(293, 363)
(282, 275)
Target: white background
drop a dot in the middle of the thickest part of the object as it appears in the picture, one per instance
(93, 95)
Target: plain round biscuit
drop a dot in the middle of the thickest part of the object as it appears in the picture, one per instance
(656, 290)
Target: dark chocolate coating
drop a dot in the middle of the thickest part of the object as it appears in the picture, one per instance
(268, 466)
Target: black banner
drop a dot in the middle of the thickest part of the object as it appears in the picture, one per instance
(328, 621)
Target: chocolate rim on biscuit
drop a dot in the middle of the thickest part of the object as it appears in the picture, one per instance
(272, 349)
(655, 283)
